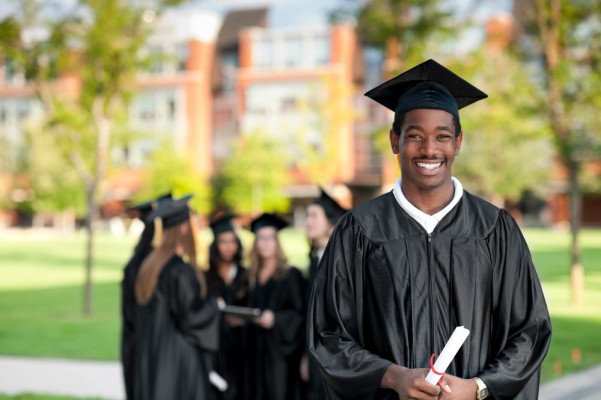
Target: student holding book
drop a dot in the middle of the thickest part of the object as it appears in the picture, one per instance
(274, 339)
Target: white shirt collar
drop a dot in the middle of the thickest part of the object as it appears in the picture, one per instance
(429, 222)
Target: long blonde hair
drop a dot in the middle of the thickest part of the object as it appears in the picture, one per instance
(151, 268)
(257, 263)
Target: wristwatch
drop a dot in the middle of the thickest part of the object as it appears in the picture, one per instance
(482, 392)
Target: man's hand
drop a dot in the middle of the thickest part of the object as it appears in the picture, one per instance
(410, 383)
(461, 389)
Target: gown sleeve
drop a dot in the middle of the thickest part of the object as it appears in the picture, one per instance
(521, 320)
(197, 319)
(334, 317)
(289, 318)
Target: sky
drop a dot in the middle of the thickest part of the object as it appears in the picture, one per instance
(285, 13)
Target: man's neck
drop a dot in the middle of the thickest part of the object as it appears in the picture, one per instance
(429, 201)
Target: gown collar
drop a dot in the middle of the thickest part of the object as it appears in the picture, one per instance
(428, 222)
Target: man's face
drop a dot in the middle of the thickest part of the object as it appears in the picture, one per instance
(427, 147)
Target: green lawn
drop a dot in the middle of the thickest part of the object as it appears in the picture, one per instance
(41, 295)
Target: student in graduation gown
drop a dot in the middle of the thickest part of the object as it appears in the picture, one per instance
(403, 270)
(274, 338)
(176, 323)
(128, 300)
(322, 215)
(228, 279)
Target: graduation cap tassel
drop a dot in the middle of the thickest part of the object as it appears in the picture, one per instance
(158, 233)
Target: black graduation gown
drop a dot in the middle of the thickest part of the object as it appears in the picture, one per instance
(174, 331)
(228, 362)
(274, 354)
(128, 310)
(314, 387)
(387, 292)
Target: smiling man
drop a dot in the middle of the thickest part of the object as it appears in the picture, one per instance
(402, 271)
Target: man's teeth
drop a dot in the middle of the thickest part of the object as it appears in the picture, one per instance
(429, 166)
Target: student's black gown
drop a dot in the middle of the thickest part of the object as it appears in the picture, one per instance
(387, 292)
(174, 331)
(274, 354)
(314, 386)
(228, 362)
(128, 308)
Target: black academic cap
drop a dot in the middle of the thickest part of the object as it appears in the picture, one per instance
(172, 212)
(267, 219)
(145, 208)
(222, 224)
(332, 209)
(428, 85)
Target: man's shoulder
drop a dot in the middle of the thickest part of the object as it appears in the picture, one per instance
(381, 219)
(375, 206)
(479, 215)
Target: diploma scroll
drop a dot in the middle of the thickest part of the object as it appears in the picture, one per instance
(217, 381)
(447, 354)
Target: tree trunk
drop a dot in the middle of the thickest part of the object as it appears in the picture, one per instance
(577, 270)
(89, 255)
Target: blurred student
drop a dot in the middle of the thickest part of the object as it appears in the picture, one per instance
(177, 324)
(322, 216)
(228, 279)
(128, 300)
(274, 338)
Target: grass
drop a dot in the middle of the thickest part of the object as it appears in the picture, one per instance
(30, 396)
(41, 295)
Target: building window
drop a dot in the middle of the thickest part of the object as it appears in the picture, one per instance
(181, 55)
(321, 50)
(293, 52)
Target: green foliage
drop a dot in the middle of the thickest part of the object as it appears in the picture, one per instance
(318, 162)
(251, 180)
(55, 185)
(506, 147)
(168, 171)
(569, 38)
(407, 25)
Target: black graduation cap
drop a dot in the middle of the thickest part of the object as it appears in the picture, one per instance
(172, 212)
(332, 209)
(428, 85)
(222, 224)
(145, 208)
(267, 219)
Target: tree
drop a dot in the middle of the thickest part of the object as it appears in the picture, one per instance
(251, 180)
(567, 35)
(169, 171)
(83, 68)
(318, 161)
(402, 28)
(506, 134)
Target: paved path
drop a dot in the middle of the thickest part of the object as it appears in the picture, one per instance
(61, 377)
(102, 379)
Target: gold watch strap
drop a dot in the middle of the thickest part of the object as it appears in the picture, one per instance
(481, 388)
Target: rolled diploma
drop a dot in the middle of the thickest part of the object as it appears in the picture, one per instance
(447, 354)
(218, 381)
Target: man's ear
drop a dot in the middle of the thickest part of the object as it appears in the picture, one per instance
(458, 143)
(394, 141)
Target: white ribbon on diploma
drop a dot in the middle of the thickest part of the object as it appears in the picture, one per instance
(447, 354)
